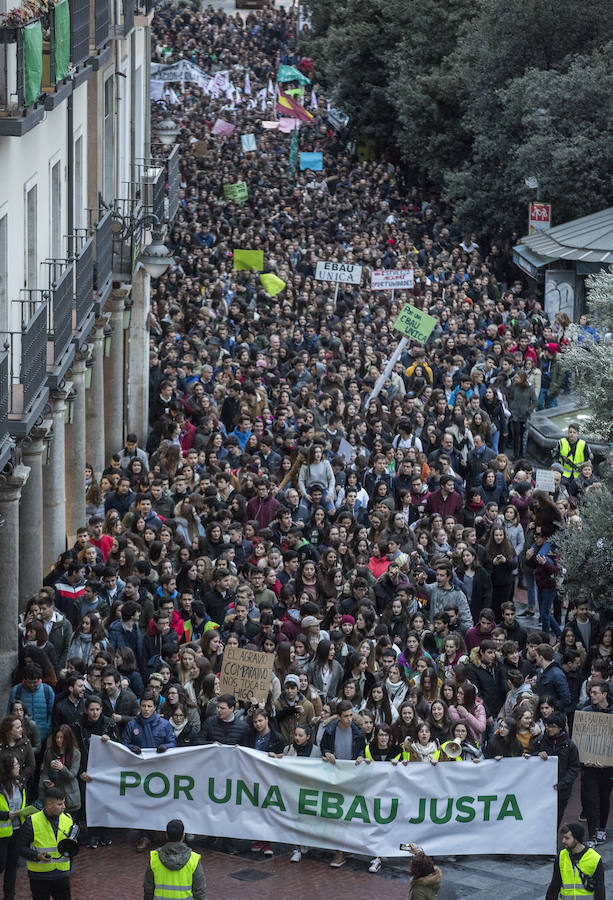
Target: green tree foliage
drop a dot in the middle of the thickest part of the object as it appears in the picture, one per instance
(457, 86)
(587, 553)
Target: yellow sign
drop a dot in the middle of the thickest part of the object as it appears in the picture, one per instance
(414, 323)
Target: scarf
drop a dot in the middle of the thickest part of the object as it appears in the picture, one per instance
(393, 689)
(424, 753)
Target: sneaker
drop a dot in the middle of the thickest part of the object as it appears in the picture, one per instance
(591, 843)
(267, 850)
(338, 860)
(105, 842)
(601, 835)
(375, 864)
(528, 612)
(296, 855)
(92, 843)
(257, 847)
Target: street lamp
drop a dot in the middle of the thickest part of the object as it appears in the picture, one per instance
(166, 132)
(155, 257)
(89, 365)
(127, 313)
(69, 408)
(108, 334)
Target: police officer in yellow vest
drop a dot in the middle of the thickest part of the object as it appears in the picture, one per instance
(48, 870)
(175, 872)
(571, 452)
(578, 871)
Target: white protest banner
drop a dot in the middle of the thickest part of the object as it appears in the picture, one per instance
(246, 673)
(343, 273)
(459, 808)
(544, 481)
(391, 280)
(593, 735)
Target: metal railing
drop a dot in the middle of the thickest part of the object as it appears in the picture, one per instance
(61, 277)
(102, 23)
(4, 395)
(103, 266)
(79, 31)
(128, 240)
(27, 358)
(84, 279)
(174, 182)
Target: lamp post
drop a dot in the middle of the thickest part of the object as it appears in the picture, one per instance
(166, 132)
(108, 335)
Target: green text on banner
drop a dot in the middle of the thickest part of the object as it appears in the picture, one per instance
(454, 807)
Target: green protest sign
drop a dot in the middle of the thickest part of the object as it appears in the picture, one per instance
(249, 259)
(414, 323)
(236, 191)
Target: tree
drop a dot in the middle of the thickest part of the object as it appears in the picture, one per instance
(586, 553)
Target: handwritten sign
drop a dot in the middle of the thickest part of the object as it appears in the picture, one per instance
(246, 673)
(593, 735)
(391, 280)
(414, 323)
(236, 191)
(345, 273)
(544, 481)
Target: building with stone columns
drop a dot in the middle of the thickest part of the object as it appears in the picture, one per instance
(81, 196)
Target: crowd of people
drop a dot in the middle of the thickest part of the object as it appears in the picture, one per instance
(393, 552)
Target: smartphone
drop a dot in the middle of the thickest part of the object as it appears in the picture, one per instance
(405, 847)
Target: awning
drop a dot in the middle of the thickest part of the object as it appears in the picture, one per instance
(529, 261)
(588, 239)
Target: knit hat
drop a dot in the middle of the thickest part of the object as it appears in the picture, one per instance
(310, 620)
(553, 348)
(577, 830)
(347, 618)
(292, 679)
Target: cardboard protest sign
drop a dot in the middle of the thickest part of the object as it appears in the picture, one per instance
(593, 735)
(391, 280)
(344, 273)
(414, 323)
(246, 673)
(236, 191)
(544, 481)
(222, 127)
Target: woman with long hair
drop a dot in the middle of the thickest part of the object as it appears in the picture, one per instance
(469, 709)
(439, 721)
(325, 673)
(36, 635)
(412, 652)
(504, 743)
(504, 563)
(12, 800)
(125, 662)
(378, 703)
(61, 766)
(14, 740)
(425, 747)
(30, 728)
(176, 696)
(89, 636)
(396, 685)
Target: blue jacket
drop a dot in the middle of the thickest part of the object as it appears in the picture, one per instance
(552, 682)
(149, 732)
(38, 704)
(119, 637)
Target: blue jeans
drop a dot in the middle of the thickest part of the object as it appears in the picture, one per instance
(543, 402)
(548, 623)
(495, 439)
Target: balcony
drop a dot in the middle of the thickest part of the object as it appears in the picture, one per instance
(83, 312)
(60, 349)
(144, 10)
(100, 24)
(173, 177)
(103, 266)
(5, 436)
(153, 181)
(79, 31)
(25, 369)
(124, 18)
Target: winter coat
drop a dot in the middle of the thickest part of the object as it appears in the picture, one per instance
(552, 683)
(475, 721)
(59, 636)
(287, 717)
(567, 754)
(230, 733)
(38, 704)
(64, 778)
(438, 598)
(126, 706)
(490, 683)
(522, 402)
(427, 887)
(334, 682)
(121, 637)
(24, 753)
(151, 732)
(275, 745)
(358, 742)
(83, 730)
(174, 856)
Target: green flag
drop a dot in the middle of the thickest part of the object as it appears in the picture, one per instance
(252, 260)
(272, 284)
(62, 40)
(289, 73)
(32, 62)
(293, 152)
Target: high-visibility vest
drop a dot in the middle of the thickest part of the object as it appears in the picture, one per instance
(6, 825)
(572, 886)
(368, 754)
(442, 749)
(173, 884)
(46, 841)
(570, 458)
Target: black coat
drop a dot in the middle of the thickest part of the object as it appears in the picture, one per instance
(491, 685)
(213, 729)
(568, 758)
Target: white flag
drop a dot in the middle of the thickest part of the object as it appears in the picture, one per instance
(262, 96)
(270, 88)
(237, 96)
(247, 83)
(313, 100)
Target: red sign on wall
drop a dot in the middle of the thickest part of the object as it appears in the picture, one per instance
(539, 218)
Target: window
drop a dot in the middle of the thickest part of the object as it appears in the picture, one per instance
(78, 208)
(108, 143)
(31, 254)
(4, 273)
(56, 211)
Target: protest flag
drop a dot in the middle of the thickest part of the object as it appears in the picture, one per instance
(250, 260)
(289, 107)
(272, 284)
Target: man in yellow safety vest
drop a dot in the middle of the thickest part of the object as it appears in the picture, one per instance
(174, 870)
(48, 869)
(572, 451)
(578, 871)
